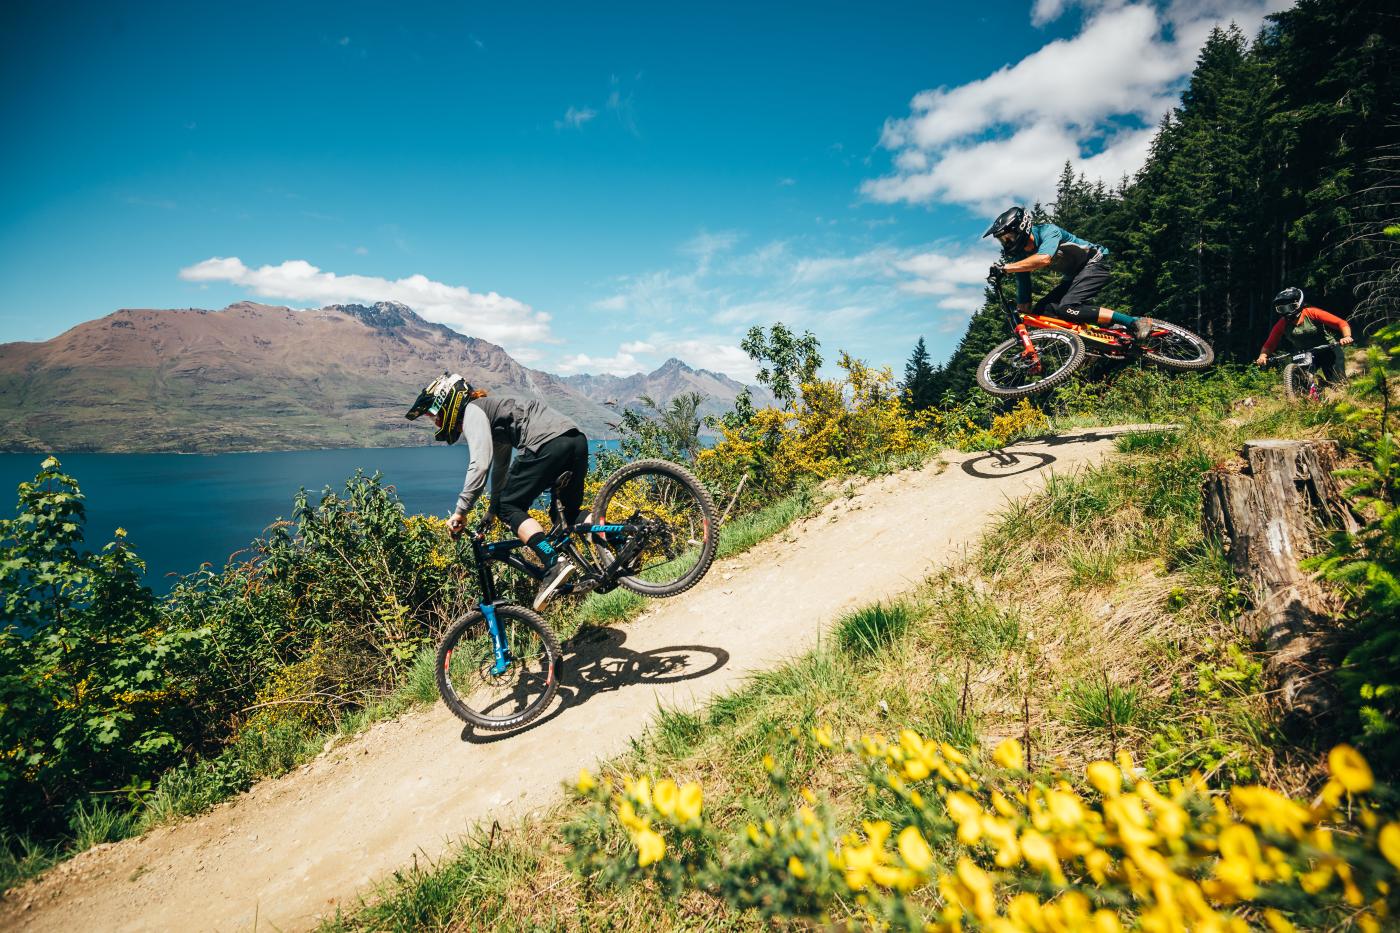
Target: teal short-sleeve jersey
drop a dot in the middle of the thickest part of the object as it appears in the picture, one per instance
(1068, 254)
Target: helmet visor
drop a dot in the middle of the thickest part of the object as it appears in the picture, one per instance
(425, 404)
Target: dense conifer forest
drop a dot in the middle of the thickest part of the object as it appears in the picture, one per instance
(1280, 166)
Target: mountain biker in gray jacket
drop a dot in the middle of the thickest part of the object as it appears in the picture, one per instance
(549, 446)
(1026, 247)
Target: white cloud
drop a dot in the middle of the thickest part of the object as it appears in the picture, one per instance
(506, 321)
(1093, 99)
(575, 118)
(620, 364)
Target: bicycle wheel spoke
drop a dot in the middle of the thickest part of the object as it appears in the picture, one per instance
(672, 522)
(1016, 369)
(672, 535)
(492, 689)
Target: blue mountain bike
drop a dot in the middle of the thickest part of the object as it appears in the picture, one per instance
(652, 530)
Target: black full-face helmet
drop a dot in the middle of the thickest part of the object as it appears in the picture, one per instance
(1012, 228)
(1288, 302)
(445, 398)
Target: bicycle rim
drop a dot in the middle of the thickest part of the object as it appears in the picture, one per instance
(676, 517)
(468, 676)
(1009, 372)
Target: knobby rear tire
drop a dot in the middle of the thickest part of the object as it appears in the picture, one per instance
(1205, 355)
(509, 617)
(710, 534)
(1038, 338)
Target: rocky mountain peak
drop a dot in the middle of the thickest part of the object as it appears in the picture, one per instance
(382, 315)
(672, 367)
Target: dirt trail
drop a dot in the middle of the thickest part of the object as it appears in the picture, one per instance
(292, 849)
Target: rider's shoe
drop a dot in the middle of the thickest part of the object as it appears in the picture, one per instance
(552, 581)
(1142, 329)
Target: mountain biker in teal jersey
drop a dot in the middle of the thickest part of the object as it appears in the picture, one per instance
(1026, 247)
(550, 445)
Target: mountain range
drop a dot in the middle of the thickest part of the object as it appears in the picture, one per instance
(259, 377)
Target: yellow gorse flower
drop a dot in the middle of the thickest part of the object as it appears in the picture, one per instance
(1009, 754)
(1350, 769)
(650, 847)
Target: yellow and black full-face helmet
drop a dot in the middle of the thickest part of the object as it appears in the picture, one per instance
(445, 398)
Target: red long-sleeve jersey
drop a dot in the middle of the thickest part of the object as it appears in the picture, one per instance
(1317, 314)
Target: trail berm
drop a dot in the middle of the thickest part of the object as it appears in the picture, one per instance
(291, 851)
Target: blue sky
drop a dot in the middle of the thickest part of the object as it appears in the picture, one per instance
(594, 188)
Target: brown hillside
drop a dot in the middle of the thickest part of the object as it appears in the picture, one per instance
(248, 377)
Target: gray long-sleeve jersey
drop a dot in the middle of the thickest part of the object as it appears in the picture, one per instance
(495, 425)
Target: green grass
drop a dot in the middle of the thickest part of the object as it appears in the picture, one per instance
(1099, 706)
(869, 629)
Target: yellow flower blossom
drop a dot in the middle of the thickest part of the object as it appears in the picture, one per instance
(967, 813)
(795, 867)
(1351, 769)
(979, 884)
(822, 736)
(1389, 840)
(1010, 754)
(640, 790)
(627, 816)
(1277, 921)
(650, 847)
(1039, 853)
(1002, 835)
(585, 782)
(1105, 777)
(914, 849)
(663, 797)
(952, 754)
(1106, 921)
(1269, 810)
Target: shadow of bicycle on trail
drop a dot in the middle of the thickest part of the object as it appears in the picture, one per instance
(595, 662)
(1010, 461)
(997, 464)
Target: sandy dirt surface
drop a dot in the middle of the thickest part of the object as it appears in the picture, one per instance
(291, 850)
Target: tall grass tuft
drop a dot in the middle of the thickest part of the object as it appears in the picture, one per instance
(868, 630)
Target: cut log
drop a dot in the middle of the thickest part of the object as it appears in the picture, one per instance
(1269, 512)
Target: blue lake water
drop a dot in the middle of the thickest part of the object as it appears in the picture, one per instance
(180, 510)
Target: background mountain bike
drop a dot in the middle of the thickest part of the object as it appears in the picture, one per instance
(1045, 351)
(652, 531)
(1303, 378)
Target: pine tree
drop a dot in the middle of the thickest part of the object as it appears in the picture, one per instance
(918, 384)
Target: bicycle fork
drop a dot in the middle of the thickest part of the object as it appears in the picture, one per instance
(499, 649)
(1028, 350)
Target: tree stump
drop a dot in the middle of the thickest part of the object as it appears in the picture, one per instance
(1269, 511)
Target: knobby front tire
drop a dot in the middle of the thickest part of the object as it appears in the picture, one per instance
(1175, 347)
(667, 498)
(1299, 383)
(1007, 373)
(466, 657)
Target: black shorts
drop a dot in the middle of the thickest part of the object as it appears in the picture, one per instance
(1073, 298)
(532, 473)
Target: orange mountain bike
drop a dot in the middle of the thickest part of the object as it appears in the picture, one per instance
(1046, 351)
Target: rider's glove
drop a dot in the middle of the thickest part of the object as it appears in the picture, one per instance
(997, 268)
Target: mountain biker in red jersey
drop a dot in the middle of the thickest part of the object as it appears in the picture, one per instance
(1305, 329)
(1026, 247)
(550, 445)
